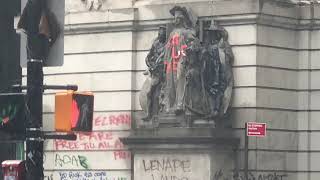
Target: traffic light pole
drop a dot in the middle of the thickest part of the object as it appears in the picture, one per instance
(34, 134)
(34, 138)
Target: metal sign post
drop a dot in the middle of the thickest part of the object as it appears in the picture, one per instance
(246, 152)
(256, 130)
(34, 142)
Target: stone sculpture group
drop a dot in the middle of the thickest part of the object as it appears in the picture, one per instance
(187, 76)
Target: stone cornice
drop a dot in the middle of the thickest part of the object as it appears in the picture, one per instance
(180, 136)
(232, 20)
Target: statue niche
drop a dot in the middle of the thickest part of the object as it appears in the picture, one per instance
(188, 79)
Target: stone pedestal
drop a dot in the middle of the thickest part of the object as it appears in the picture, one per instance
(182, 153)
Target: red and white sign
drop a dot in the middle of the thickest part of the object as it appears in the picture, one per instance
(256, 129)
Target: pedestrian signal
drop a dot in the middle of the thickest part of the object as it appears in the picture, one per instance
(74, 111)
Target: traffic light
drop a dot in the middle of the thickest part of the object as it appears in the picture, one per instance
(12, 113)
(10, 71)
(73, 111)
(54, 18)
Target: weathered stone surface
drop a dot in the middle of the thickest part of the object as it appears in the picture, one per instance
(172, 166)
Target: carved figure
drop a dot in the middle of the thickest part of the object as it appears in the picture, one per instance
(93, 4)
(177, 59)
(226, 73)
(187, 78)
(217, 60)
(149, 96)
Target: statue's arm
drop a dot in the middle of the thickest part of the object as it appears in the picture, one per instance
(149, 56)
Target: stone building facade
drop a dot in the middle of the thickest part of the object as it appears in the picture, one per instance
(276, 47)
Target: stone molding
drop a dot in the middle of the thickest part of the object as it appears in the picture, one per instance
(234, 20)
(180, 137)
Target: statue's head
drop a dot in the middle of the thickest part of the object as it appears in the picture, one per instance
(213, 34)
(162, 33)
(181, 16)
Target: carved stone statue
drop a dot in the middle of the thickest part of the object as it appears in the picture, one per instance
(93, 4)
(192, 79)
(149, 96)
(178, 59)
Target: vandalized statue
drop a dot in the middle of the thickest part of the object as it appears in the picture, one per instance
(179, 58)
(217, 58)
(149, 98)
(194, 79)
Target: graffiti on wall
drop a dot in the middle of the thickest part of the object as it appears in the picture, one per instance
(93, 153)
(85, 175)
(167, 169)
(220, 175)
(112, 121)
(86, 160)
(72, 160)
(91, 141)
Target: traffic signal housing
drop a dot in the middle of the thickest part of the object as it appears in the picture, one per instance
(55, 56)
(13, 113)
(74, 111)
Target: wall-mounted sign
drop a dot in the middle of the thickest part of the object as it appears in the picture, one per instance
(256, 129)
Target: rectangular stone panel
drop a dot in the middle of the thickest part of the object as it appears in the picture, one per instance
(277, 161)
(302, 80)
(309, 59)
(314, 175)
(278, 10)
(115, 61)
(244, 97)
(280, 37)
(101, 81)
(314, 121)
(276, 57)
(314, 160)
(314, 141)
(86, 16)
(279, 140)
(98, 42)
(81, 63)
(278, 78)
(273, 98)
(172, 166)
(278, 119)
(315, 100)
(314, 37)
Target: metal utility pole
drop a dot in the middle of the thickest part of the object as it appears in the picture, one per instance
(34, 140)
(34, 134)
